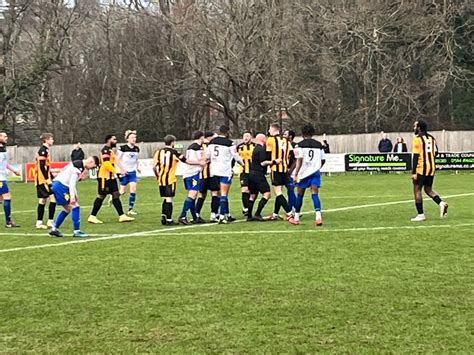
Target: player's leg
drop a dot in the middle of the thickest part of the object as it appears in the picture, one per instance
(316, 204)
(200, 202)
(7, 204)
(417, 186)
(443, 206)
(264, 189)
(54, 231)
(290, 188)
(76, 222)
(224, 199)
(132, 198)
(113, 188)
(188, 184)
(51, 209)
(279, 180)
(300, 190)
(102, 192)
(214, 186)
(244, 189)
(40, 211)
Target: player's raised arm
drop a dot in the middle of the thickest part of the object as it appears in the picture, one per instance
(236, 155)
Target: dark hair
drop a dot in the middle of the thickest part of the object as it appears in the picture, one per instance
(247, 131)
(45, 136)
(96, 160)
(224, 129)
(169, 139)
(108, 137)
(275, 125)
(423, 126)
(198, 134)
(291, 134)
(208, 134)
(307, 130)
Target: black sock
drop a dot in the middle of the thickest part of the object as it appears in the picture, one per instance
(284, 204)
(250, 207)
(245, 199)
(437, 199)
(215, 203)
(163, 212)
(40, 213)
(118, 205)
(261, 206)
(97, 205)
(276, 209)
(51, 210)
(169, 210)
(419, 207)
(199, 204)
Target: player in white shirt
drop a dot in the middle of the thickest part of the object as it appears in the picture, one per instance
(195, 160)
(65, 193)
(5, 195)
(310, 158)
(221, 151)
(127, 156)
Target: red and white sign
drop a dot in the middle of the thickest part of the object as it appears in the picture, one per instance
(30, 169)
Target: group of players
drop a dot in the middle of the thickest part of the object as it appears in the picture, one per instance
(208, 167)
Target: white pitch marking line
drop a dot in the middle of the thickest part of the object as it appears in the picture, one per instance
(163, 231)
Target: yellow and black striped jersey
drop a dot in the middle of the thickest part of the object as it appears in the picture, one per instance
(206, 170)
(279, 148)
(425, 147)
(245, 152)
(43, 166)
(165, 161)
(107, 168)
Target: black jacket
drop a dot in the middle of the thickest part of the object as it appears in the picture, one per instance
(77, 154)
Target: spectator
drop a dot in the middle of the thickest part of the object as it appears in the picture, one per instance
(326, 147)
(77, 153)
(400, 146)
(385, 145)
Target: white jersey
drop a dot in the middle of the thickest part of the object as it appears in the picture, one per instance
(128, 157)
(222, 152)
(70, 175)
(195, 153)
(312, 154)
(3, 162)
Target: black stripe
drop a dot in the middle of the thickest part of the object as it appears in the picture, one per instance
(424, 155)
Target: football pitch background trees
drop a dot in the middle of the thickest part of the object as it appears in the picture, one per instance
(78, 68)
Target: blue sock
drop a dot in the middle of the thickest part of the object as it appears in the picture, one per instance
(316, 202)
(291, 198)
(298, 203)
(186, 207)
(224, 204)
(60, 218)
(192, 209)
(7, 208)
(76, 218)
(131, 200)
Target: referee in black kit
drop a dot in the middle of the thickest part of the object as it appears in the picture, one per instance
(257, 181)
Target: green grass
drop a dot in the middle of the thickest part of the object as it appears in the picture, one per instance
(368, 281)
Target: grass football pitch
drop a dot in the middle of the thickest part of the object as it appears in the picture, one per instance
(368, 281)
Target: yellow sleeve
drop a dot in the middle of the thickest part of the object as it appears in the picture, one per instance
(417, 146)
(107, 165)
(155, 159)
(270, 143)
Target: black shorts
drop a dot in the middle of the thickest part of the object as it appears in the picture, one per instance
(43, 191)
(244, 180)
(423, 180)
(280, 179)
(107, 186)
(258, 184)
(209, 184)
(168, 190)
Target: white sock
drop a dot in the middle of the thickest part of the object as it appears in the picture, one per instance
(318, 214)
(297, 216)
(213, 215)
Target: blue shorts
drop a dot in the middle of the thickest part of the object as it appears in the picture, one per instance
(4, 187)
(61, 193)
(192, 183)
(312, 180)
(130, 176)
(224, 180)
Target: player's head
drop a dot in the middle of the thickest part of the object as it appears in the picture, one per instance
(247, 137)
(224, 131)
(208, 135)
(260, 139)
(307, 131)
(274, 129)
(111, 140)
(290, 135)
(91, 162)
(170, 140)
(3, 137)
(198, 136)
(131, 136)
(420, 127)
(47, 138)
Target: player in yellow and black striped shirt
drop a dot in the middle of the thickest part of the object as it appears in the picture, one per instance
(43, 181)
(424, 169)
(245, 150)
(278, 150)
(165, 163)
